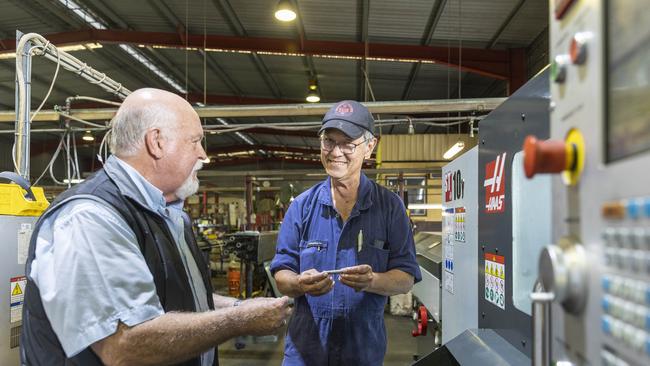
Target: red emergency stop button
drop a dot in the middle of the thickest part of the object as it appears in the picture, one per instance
(578, 48)
(544, 156)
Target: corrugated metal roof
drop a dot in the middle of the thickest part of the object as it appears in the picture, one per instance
(479, 19)
(390, 22)
(531, 19)
(332, 20)
(398, 21)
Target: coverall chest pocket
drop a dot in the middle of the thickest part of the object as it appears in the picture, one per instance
(313, 254)
(375, 256)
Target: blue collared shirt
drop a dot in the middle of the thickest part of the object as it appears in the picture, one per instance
(313, 235)
(89, 268)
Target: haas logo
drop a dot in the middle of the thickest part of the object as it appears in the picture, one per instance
(495, 186)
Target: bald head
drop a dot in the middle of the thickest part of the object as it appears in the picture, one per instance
(141, 111)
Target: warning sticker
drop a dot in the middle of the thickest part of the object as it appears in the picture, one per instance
(459, 224)
(495, 279)
(17, 289)
(24, 236)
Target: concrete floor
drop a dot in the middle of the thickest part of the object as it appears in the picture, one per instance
(401, 347)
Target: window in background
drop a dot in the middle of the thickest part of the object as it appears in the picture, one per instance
(415, 188)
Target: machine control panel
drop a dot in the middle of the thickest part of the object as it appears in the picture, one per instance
(626, 279)
(600, 52)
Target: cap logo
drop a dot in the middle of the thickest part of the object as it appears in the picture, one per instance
(344, 109)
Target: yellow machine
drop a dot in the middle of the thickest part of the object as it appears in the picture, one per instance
(20, 207)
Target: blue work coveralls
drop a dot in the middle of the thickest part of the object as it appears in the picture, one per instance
(342, 327)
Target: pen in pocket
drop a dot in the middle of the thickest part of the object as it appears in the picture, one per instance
(360, 241)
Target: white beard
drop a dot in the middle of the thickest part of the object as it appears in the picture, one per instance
(191, 184)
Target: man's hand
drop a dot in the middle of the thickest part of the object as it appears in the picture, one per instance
(358, 277)
(315, 283)
(266, 314)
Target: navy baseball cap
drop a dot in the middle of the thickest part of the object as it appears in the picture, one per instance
(350, 117)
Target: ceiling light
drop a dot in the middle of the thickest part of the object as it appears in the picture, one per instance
(312, 96)
(455, 149)
(284, 11)
(425, 206)
(88, 136)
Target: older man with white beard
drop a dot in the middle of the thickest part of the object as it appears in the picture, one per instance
(114, 275)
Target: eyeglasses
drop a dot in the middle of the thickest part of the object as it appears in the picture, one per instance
(346, 147)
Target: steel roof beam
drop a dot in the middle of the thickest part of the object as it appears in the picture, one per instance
(309, 62)
(364, 16)
(505, 24)
(432, 23)
(237, 27)
(490, 63)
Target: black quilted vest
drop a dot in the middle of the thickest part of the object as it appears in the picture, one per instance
(40, 345)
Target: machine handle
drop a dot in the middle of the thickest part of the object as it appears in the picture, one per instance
(422, 322)
(22, 182)
(541, 325)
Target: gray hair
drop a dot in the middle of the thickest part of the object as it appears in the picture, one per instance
(131, 123)
(368, 136)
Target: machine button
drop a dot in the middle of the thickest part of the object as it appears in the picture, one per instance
(607, 304)
(578, 48)
(624, 236)
(558, 68)
(606, 283)
(606, 324)
(609, 236)
(613, 210)
(638, 238)
(633, 207)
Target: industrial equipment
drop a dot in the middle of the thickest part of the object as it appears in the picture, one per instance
(20, 207)
(513, 216)
(596, 273)
(428, 249)
(460, 240)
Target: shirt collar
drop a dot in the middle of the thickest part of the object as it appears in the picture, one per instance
(133, 185)
(364, 198)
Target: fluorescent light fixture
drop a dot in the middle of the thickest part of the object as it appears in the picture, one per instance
(425, 206)
(284, 11)
(72, 181)
(455, 149)
(97, 23)
(88, 136)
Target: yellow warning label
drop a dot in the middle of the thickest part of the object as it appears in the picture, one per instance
(17, 291)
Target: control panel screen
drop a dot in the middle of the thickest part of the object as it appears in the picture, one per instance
(628, 78)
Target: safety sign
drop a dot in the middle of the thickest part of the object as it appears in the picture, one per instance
(17, 289)
(459, 224)
(495, 279)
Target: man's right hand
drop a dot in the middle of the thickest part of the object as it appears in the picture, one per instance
(315, 283)
(266, 314)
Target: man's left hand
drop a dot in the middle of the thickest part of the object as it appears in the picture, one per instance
(358, 277)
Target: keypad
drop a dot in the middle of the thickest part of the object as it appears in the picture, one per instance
(626, 282)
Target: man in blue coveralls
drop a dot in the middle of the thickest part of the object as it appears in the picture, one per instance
(351, 224)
